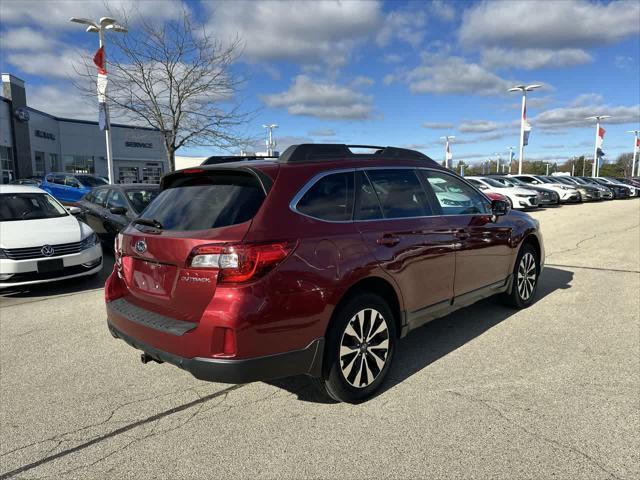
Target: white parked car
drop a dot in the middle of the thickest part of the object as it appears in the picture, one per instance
(41, 241)
(519, 197)
(567, 193)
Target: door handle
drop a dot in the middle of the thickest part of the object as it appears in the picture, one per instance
(462, 235)
(389, 240)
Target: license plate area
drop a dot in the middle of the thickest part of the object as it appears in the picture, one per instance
(53, 265)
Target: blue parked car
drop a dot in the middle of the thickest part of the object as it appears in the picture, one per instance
(70, 187)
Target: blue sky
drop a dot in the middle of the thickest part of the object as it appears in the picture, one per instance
(399, 73)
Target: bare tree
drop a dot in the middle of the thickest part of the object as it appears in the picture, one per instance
(176, 78)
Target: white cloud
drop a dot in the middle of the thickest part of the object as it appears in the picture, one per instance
(534, 58)
(443, 10)
(451, 75)
(321, 100)
(310, 32)
(56, 14)
(362, 81)
(25, 38)
(392, 58)
(405, 25)
(480, 126)
(437, 125)
(324, 132)
(575, 114)
(63, 101)
(548, 24)
(62, 64)
(624, 62)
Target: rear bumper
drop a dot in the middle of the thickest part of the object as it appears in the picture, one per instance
(307, 361)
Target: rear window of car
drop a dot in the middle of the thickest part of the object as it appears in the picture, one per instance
(204, 201)
(90, 181)
(139, 199)
(330, 198)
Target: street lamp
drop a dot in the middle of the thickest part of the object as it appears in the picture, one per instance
(636, 145)
(99, 27)
(596, 168)
(270, 143)
(498, 160)
(523, 117)
(447, 149)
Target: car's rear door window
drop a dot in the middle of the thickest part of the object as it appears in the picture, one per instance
(367, 205)
(208, 200)
(400, 193)
(330, 198)
(454, 196)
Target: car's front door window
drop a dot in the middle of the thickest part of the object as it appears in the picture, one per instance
(454, 196)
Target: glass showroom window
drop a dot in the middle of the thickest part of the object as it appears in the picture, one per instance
(39, 169)
(78, 164)
(7, 167)
(54, 161)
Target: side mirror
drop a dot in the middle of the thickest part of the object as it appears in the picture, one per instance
(118, 210)
(483, 187)
(73, 210)
(499, 208)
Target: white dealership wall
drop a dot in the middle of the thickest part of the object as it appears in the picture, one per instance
(70, 145)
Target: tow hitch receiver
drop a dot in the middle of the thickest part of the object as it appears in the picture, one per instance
(146, 358)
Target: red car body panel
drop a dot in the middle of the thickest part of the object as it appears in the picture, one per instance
(429, 261)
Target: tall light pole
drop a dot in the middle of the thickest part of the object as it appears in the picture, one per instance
(99, 27)
(596, 168)
(636, 145)
(523, 117)
(547, 164)
(498, 160)
(270, 143)
(447, 149)
(510, 158)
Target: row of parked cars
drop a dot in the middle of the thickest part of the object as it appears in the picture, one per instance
(315, 263)
(534, 191)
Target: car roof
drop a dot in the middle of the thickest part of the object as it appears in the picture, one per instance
(130, 186)
(20, 189)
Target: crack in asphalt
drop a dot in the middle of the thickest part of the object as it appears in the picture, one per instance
(44, 299)
(616, 270)
(579, 243)
(199, 401)
(537, 435)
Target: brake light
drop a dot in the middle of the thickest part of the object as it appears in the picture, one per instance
(193, 170)
(239, 263)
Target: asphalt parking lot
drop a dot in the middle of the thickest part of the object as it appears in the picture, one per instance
(551, 391)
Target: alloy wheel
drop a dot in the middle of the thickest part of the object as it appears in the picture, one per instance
(526, 276)
(364, 348)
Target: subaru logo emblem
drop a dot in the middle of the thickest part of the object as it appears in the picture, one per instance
(141, 246)
(47, 250)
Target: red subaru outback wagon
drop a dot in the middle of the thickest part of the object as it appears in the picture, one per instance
(314, 263)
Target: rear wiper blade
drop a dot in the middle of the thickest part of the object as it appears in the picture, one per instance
(150, 223)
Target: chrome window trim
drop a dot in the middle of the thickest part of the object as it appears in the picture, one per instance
(312, 181)
(293, 204)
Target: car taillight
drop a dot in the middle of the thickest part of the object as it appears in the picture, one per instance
(239, 263)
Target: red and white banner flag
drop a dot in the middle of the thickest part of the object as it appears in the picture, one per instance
(601, 132)
(98, 59)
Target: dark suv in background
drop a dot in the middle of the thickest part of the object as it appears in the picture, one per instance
(313, 263)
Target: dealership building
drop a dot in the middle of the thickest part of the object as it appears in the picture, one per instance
(34, 143)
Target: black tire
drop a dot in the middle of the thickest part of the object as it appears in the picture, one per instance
(339, 385)
(522, 292)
